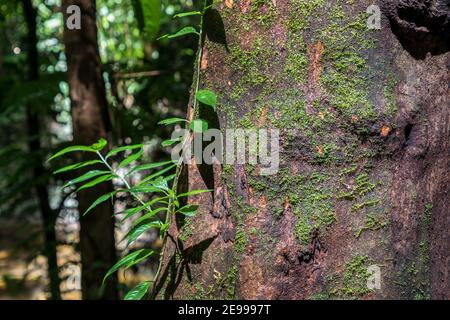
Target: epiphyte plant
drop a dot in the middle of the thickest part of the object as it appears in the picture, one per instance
(155, 193)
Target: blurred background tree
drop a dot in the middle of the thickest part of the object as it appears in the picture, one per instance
(145, 80)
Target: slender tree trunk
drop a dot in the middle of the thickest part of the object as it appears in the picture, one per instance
(1, 63)
(363, 180)
(34, 145)
(90, 122)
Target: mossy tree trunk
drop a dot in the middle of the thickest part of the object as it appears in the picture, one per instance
(90, 121)
(363, 178)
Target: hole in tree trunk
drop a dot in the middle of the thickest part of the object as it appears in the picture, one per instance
(408, 129)
(422, 27)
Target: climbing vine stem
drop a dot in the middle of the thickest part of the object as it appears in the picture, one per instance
(179, 167)
(154, 186)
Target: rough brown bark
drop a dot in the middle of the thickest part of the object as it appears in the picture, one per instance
(363, 177)
(90, 122)
(34, 145)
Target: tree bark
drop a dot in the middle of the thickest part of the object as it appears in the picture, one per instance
(90, 121)
(34, 145)
(364, 137)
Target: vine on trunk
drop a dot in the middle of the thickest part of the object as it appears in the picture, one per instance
(157, 192)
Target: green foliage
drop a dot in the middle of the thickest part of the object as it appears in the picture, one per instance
(198, 125)
(171, 121)
(125, 162)
(148, 166)
(98, 146)
(187, 14)
(193, 193)
(71, 149)
(100, 200)
(138, 292)
(36, 94)
(93, 183)
(121, 47)
(169, 142)
(188, 210)
(182, 32)
(88, 175)
(207, 97)
(140, 229)
(152, 185)
(122, 51)
(76, 166)
(148, 14)
(204, 96)
(129, 261)
(124, 148)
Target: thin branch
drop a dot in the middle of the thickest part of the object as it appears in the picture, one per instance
(131, 75)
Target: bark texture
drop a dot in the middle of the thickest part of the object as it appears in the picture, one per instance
(90, 122)
(363, 179)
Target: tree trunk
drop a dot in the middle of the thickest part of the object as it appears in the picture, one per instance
(1, 63)
(364, 138)
(90, 122)
(34, 145)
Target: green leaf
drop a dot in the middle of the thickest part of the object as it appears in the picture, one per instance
(169, 142)
(97, 181)
(193, 193)
(71, 149)
(171, 177)
(198, 125)
(124, 148)
(138, 292)
(138, 230)
(157, 174)
(163, 229)
(188, 210)
(132, 211)
(160, 183)
(156, 200)
(86, 176)
(184, 31)
(100, 200)
(144, 189)
(77, 166)
(131, 158)
(151, 14)
(180, 33)
(99, 145)
(207, 97)
(129, 261)
(149, 215)
(186, 14)
(171, 121)
(148, 166)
